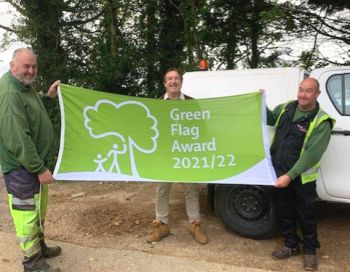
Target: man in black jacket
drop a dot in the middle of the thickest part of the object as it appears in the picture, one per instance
(302, 135)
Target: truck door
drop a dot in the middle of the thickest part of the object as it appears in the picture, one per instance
(335, 165)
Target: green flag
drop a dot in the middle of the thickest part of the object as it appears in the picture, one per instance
(113, 137)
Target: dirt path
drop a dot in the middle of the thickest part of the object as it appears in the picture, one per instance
(117, 216)
(80, 258)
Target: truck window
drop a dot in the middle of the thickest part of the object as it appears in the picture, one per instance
(347, 94)
(338, 89)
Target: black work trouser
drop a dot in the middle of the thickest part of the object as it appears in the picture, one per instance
(296, 205)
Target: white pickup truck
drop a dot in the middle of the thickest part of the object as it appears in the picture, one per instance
(248, 210)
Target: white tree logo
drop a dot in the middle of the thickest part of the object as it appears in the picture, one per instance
(129, 136)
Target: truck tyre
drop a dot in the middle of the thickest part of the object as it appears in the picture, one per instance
(246, 209)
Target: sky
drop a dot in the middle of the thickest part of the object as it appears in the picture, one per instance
(6, 16)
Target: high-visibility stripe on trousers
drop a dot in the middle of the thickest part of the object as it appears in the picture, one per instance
(25, 215)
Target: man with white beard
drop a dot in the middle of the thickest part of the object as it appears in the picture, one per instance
(26, 147)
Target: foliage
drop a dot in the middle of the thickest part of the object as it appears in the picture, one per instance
(126, 46)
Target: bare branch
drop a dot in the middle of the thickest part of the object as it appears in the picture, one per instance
(8, 28)
(81, 22)
(174, 5)
(331, 31)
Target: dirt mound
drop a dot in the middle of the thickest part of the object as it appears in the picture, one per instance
(115, 218)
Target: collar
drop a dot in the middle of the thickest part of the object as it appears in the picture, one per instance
(19, 85)
(181, 97)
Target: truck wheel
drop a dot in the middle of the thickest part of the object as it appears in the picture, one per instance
(246, 210)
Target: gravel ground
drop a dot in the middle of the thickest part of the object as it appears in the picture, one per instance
(110, 220)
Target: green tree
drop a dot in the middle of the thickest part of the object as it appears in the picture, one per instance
(243, 33)
(330, 23)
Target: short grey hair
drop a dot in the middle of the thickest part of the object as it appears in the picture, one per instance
(20, 50)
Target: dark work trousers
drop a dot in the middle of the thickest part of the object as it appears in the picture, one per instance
(296, 205)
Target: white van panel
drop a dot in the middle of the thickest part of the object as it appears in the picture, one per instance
(280, 84)
(335, 170)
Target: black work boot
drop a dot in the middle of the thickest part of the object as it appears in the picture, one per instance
(37, 263)
(45, 268)
(310, 262)
(285, 252)
(49, 252)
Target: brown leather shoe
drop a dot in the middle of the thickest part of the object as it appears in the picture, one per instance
(310, 262)
(159, 231)
(198, 233)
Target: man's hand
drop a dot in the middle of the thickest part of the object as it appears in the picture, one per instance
(52, 92)
(283, 181)
(46, 177)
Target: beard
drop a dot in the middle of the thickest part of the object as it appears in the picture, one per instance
(26, 80)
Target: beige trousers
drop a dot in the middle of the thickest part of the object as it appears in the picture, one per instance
(191, 199)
